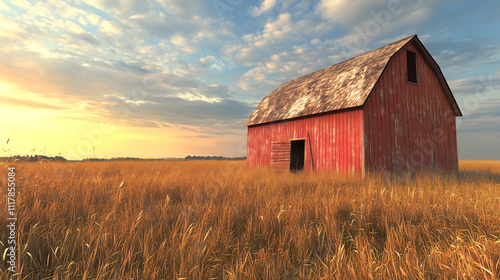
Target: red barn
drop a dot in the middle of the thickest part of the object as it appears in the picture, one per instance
(390, 108)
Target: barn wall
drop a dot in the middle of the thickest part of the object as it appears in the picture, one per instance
(409, 126)
(336, 141)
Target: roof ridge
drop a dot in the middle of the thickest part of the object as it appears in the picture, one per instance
(384, 46)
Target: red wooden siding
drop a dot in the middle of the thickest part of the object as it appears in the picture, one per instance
(407, 125)
(333, 141)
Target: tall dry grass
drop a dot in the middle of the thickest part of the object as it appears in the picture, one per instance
(218, 220)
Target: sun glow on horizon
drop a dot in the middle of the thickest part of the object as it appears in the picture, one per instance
(77, 134)
(36, 125)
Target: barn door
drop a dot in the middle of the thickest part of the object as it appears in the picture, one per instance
(297, 152)
(280, 156)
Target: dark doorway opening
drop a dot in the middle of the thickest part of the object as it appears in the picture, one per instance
(297, 150)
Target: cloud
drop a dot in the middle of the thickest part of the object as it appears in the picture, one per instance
(21, 3)
(454, 53)
(17, 102)
(479, 100)
(185, 32)
(366, 22)
(185, 9)
(276, 36)
(110, 28)
(286, 47)
(119, 8)
(208, 117)
(265, 6)
(4, 7)
(227, 112)
(481, 86)
(183, 44)
(149, 81)
(356, 13)
(211, 62)
(133, 99)
(50, 29)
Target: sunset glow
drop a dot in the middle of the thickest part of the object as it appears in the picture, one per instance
(165, 78)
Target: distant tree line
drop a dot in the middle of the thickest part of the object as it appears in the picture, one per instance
(31, 158)
(59, 158)
(213, 158)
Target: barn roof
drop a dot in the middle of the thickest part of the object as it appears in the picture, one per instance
(347, 84)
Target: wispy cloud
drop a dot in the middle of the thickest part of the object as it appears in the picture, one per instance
(265, 6)
(4, 100)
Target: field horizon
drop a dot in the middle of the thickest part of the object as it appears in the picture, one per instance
(220, 220)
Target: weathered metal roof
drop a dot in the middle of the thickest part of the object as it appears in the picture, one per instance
(344, 85)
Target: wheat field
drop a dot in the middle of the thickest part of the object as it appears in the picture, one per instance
(219, 220)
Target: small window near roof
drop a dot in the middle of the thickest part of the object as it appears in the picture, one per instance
(411, 64)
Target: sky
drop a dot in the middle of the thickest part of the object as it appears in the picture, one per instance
(171, 78)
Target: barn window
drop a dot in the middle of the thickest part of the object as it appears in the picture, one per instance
(411, 65)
